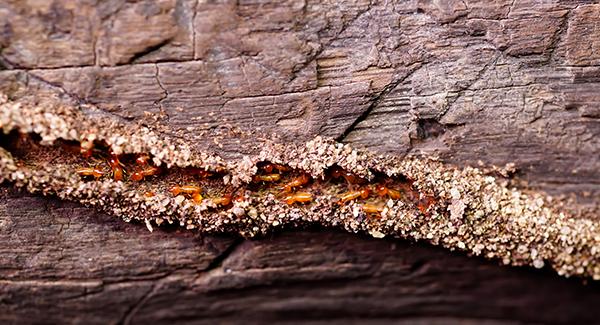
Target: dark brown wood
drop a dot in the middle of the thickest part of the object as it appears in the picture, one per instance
(447, 78)
(62, 263)
(493, 81)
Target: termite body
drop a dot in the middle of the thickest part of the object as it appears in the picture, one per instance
(372, 209)
(351, 178)
(299, 197)
(297, 182)
(383, 190)
(222, 201)
(141, 174)
(90, 171)
(266, 178)
(116, 166)
(270, 167)
(352, 195)
(191, 190)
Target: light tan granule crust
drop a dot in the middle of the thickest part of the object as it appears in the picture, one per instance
(475, 213)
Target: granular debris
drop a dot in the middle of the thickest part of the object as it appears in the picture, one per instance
(140, 174)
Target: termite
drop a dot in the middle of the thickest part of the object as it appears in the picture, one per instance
(349, 196)
(266, 178)
(383, 190)
(270, 167)
(297, 182)
(185, 189)
(149, 194)
(351, 178)
(372, 210)
(117, 167)
(299, 197)
(222, 201)
(192, 190)
(90, 171)
(148, 171)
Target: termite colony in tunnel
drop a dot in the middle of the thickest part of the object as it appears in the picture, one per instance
(93, 161)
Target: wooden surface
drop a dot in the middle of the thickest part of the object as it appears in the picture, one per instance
(496, 81)
(62, 263)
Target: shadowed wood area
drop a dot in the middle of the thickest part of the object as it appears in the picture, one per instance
(73, 265)
(492, 81)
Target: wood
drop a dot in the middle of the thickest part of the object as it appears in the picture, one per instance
(62, 264)
(496, 81)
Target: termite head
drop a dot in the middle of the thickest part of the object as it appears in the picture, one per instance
(365, 192)
(137, 176)
(299, 181)
(175, 190)
(381, 190)
(350, 177)
(197, 197)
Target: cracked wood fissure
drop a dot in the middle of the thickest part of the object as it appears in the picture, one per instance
(497, 82)
(458, 208)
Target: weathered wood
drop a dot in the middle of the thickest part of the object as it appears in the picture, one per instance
(61, 263)
(496, 81)
(418, 77)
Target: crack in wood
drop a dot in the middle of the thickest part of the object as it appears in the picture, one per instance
(148, 51)
(377, 99)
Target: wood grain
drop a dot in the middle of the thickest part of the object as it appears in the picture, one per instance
(492, 81)
(66, 264)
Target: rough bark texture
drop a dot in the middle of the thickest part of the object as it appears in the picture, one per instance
(496, 81)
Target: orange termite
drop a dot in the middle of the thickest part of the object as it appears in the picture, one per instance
(197, 197)
(192, 190)
(148, 171)
(349, 196)
(266, 178)
(372, 209)
(117, 167)
(149, 194)
(90, 171)
(300, 197)
(223, 201)
(351, 178)
(270, 167)
(382, 190)
(185, 189)
(297, 182)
